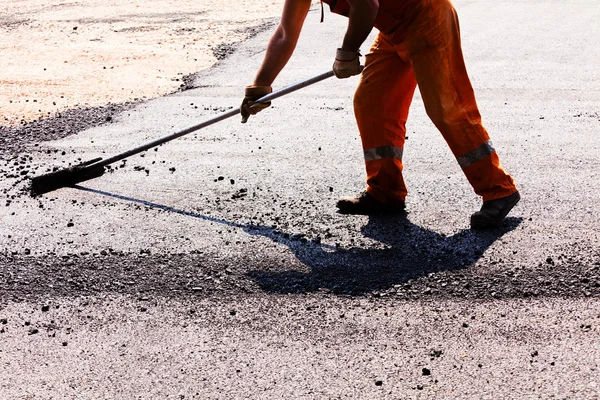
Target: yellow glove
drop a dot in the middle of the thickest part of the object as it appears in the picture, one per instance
(347, 64)
(249, 107)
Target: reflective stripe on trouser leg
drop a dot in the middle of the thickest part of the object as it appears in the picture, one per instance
(433, 43)
(379, 153)
(473, 156)
(381, 105)
(384, 169)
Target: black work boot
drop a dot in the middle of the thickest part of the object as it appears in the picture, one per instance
(365, 204)
(493, 211)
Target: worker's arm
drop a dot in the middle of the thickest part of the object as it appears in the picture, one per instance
(283, 42)
(360, 23)
(279, 50)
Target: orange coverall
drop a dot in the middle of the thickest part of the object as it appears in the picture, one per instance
(419, 43)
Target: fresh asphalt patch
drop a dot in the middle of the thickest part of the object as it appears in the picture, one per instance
(415, 263)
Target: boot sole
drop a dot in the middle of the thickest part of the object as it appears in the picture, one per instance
(371, 212)
(494, 223)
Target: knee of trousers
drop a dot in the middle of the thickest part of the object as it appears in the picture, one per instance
(364, 103)
(371, 99)
(374, 114)
(448, 112)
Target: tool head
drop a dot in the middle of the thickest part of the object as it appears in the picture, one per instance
(66, 177)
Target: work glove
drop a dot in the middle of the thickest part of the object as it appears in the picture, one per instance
(347, 64)
(249, 107)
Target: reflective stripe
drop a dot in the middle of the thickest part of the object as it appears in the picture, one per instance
(378, 153)
(478, 154)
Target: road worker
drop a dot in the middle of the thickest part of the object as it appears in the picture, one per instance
(418, 44)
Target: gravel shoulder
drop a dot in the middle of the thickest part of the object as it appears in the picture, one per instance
(60, 56)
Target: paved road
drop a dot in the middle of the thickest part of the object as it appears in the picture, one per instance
(217, 267)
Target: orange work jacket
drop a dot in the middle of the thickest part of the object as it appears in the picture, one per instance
(392, 14)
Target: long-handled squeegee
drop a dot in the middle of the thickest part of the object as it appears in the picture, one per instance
(95, 168)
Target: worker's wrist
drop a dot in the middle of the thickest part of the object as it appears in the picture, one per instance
(346, 55)
(257, 90)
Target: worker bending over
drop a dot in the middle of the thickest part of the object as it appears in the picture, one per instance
(418, 44)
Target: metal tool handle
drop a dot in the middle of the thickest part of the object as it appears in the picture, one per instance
(213, 120)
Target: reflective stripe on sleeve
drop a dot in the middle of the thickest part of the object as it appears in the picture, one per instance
(478, 154)
(378, 153)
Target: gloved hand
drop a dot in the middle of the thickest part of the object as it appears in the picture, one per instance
(249, 107)
(347, 64)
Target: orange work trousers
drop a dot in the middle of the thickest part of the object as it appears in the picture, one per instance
(423, 49)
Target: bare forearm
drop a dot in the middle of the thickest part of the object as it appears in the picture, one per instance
(283, 42)
(279, 51)
(360, 23)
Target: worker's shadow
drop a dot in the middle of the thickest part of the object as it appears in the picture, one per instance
(406, 251)
(401, 251)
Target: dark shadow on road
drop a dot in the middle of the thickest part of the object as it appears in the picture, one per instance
(402, 251)
(409, 252)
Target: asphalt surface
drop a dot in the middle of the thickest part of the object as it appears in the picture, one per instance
(216, 266)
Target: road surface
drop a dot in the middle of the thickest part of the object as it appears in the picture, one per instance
(216, 267)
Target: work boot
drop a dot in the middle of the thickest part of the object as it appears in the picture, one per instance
(365, 204)
(493, 211)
